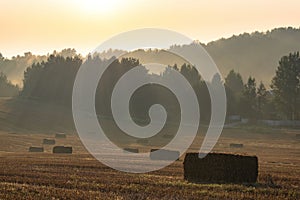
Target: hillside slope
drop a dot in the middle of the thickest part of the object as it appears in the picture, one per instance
(255, 54)
(31, 116)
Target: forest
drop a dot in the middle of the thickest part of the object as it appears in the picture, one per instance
(53, 80)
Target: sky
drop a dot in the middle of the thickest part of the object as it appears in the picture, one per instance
(43, 26)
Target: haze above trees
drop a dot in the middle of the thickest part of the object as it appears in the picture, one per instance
(254, 54)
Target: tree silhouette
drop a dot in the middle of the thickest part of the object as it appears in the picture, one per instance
(234, 82)
(248, 100)
(7, 89)
(200, 88)
(234, 87)
(261, 100)
(52, 80)
(286, 86)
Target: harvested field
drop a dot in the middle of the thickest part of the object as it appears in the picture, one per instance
(79, 176)
(26, 175)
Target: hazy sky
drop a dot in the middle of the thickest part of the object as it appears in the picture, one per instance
(40, 26)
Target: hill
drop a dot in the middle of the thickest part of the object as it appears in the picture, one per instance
(30, 116)
(256, 54)
(251, 54)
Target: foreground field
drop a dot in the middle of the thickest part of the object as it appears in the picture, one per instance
(26, 175)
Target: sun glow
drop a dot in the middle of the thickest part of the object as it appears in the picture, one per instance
(99, 6)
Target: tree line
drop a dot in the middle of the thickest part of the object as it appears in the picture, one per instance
(254, 101)
(52, 80)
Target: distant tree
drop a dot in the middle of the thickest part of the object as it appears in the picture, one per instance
(200, 88)
(286, 86)
(232, 102)
(191, 74)
(67, 53)
(175, 67)
(248, 101)
(217, 80)
(28, 54)
(234, 87)
(7, 89)
(52, 80)
(234, 82)
(261, 99)
(14, 67)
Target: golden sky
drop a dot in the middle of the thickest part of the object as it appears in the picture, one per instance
(40, 26)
